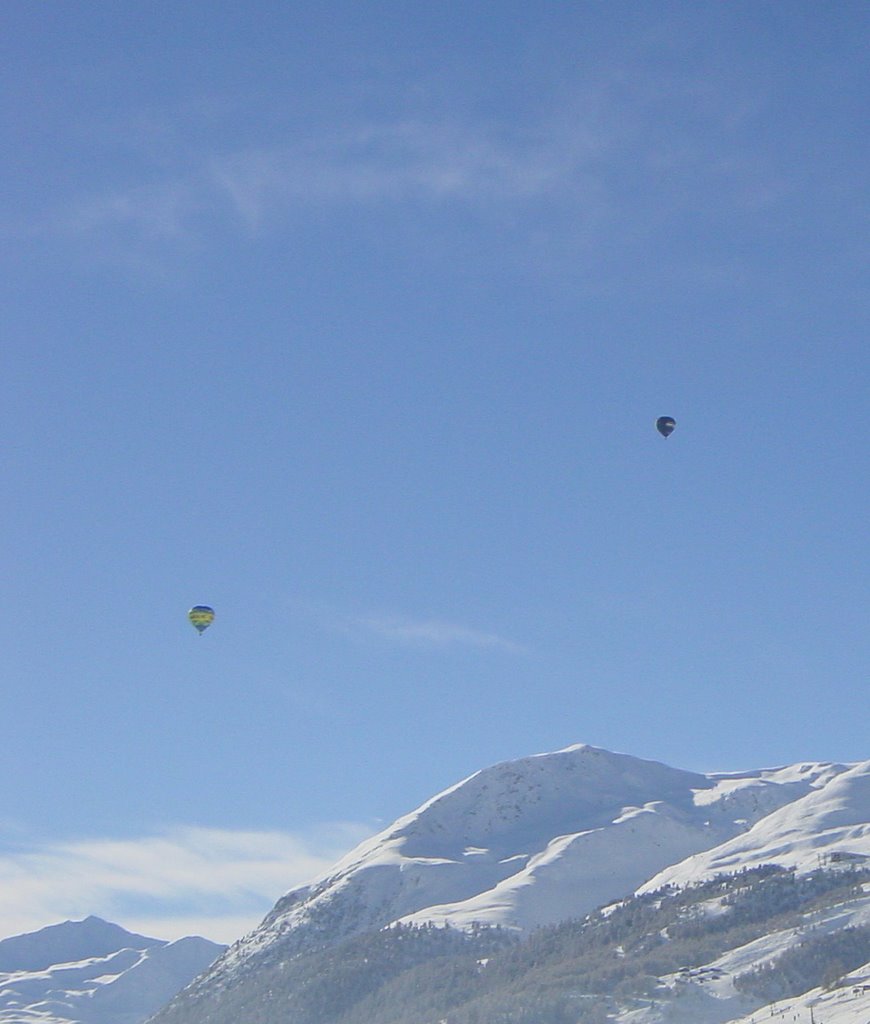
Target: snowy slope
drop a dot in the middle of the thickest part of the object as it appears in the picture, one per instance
(66, 943)
(700, 1002)
(707, 995)
(93, 972)
(847, 1004)
(552, 836)
(833, 818)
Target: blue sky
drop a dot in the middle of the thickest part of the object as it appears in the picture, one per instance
(353, 321)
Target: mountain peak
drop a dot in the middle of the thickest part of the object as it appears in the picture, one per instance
(580, 785)
(94, 972)
(68, 942)
(549, 837)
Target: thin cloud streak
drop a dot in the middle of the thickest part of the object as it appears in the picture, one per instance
(157, 212)
(221, 881)
(412, 160)
(434, 633)
(588, 180)
(403, 630)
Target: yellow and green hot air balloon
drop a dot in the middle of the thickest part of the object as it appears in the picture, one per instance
(201, 617)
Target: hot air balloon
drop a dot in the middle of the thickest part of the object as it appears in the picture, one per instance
(201, 617)
(665, 425)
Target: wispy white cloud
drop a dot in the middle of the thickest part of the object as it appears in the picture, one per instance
(159, 211)
(394, 161)
(433, 633)
(187, 880)
(433, 161)
(600, 169)
(403, 630)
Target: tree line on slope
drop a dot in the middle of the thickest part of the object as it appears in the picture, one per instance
(816, 962)
(571, 973)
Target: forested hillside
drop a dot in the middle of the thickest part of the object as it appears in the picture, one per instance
(638, 953)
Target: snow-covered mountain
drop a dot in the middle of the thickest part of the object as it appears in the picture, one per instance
(831, 819)
(550, 837)
(94, 972)
(710, 993)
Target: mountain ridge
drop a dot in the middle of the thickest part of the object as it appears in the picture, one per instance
(546, 838)
(67, 942)
(94, 972)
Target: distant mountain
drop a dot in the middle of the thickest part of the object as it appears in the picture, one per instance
(532, 843)
(94, 972)
(68, 943)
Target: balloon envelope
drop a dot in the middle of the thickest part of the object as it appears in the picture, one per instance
(665, 425)
(201, 617)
